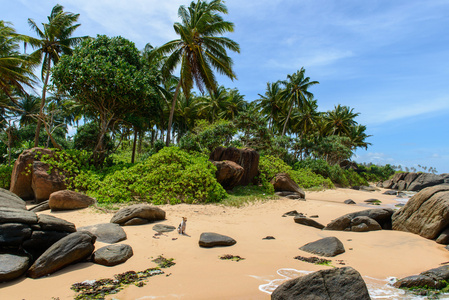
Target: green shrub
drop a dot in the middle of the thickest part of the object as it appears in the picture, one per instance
(5, 176)
(269, 166)
(170, 176)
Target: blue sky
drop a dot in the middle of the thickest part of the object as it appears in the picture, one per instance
(389, 60)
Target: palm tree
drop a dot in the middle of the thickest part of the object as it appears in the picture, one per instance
(236, 104)
(198, 50)
(212, 106)
(306, 119)
(296, 92)
(16, 70)
(54, 40)
(270, 103)
(340, 120)
(358, 136)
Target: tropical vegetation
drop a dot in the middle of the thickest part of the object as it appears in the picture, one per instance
(129, 114)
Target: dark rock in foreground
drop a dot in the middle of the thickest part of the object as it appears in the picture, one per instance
(106, 233)
(12, 266)
(112, 255)
(433, 278)
(143, 213)
(338, 283)
(70, 249)
(11, 200)
(210, 239)
(329, 247)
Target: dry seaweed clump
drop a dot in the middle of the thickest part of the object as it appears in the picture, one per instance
(231, 257)
(99, 289)
(314, 260)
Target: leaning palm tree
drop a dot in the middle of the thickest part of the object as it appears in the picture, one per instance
(54, 40)
(198, 50)
(16, 70)
(296, 92)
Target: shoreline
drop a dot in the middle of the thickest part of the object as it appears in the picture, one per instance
(200, 274)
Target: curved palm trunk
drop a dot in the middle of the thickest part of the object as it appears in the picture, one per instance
(41, 111)
(134, 146)
(286, 120)
(172, 112)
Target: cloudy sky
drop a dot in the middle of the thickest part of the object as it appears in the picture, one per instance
(389, 60)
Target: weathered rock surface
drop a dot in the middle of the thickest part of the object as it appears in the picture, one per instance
(12, 266)
(52, 223)
(106, 233)
(443, 238)
(43, 183)
(40, 207)
(426, 213)
(390, 192)
(70, 249)
(349, 201)
(246, 158)
(143, 212)
(411, 181)
(210, 239)
(308, 222)
(15, 215)
(362, 224)
(380, 215)
(13, 234)
(228, 173)
(112, 255)
(67, 200)
(11, 200)
(432, 278)
(282, 182)
(336, 283)
(40, 241)
(329, 247)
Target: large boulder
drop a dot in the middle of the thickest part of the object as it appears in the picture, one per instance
(282, 182)
(52, 223)
(45, 181)
(426, 213)
(336, 283)
(67, 200)
(14, 215)
(144, 213)
(106, 233)
(21, 176)
(11, 200)
(40, 241)
(211, 239)
(228, 173)
(70, 249)
(246, 158)
(425, 180)
(329, 247)
(112, 255)
(433, 278)
(13, 234)
(300, 219)
(381, 216)
(12, 266)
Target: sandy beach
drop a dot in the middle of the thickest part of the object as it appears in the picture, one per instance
(200, 274)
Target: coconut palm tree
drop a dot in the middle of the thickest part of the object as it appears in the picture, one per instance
(340, 120)
(270, 103)
(198, 50)
(16, 70)
(54, 39)
(296, 92)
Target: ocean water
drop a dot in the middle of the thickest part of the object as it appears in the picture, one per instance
(377, 288)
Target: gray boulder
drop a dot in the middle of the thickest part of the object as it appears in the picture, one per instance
(443, 238)
(362, 224)
(329, 247)
(68, 250)
(112, 255)
(13, 234)
(308, 222)
(163, 228)
(67, 200)
(210, 239)
(12, 266)
(15, 215)
(106, 233)
(52, 223)
(40, 241)
(331, 284)
(146, 213)
(40, 207)
(425, 180)
(432, 278)
(11, 200)
(344, 223)
(425, 213)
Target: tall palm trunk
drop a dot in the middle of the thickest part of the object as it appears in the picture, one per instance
(172, 112)
(41, 111)
(286, 120)
(134, 146)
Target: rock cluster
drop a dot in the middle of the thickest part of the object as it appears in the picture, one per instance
(365, 220)
(336, 283)
(434, 279)
(286, 187)
(410, 181)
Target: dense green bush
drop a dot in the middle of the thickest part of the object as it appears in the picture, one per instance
(5, 176)
(269, 166)
(170, 176)
(376, 173)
